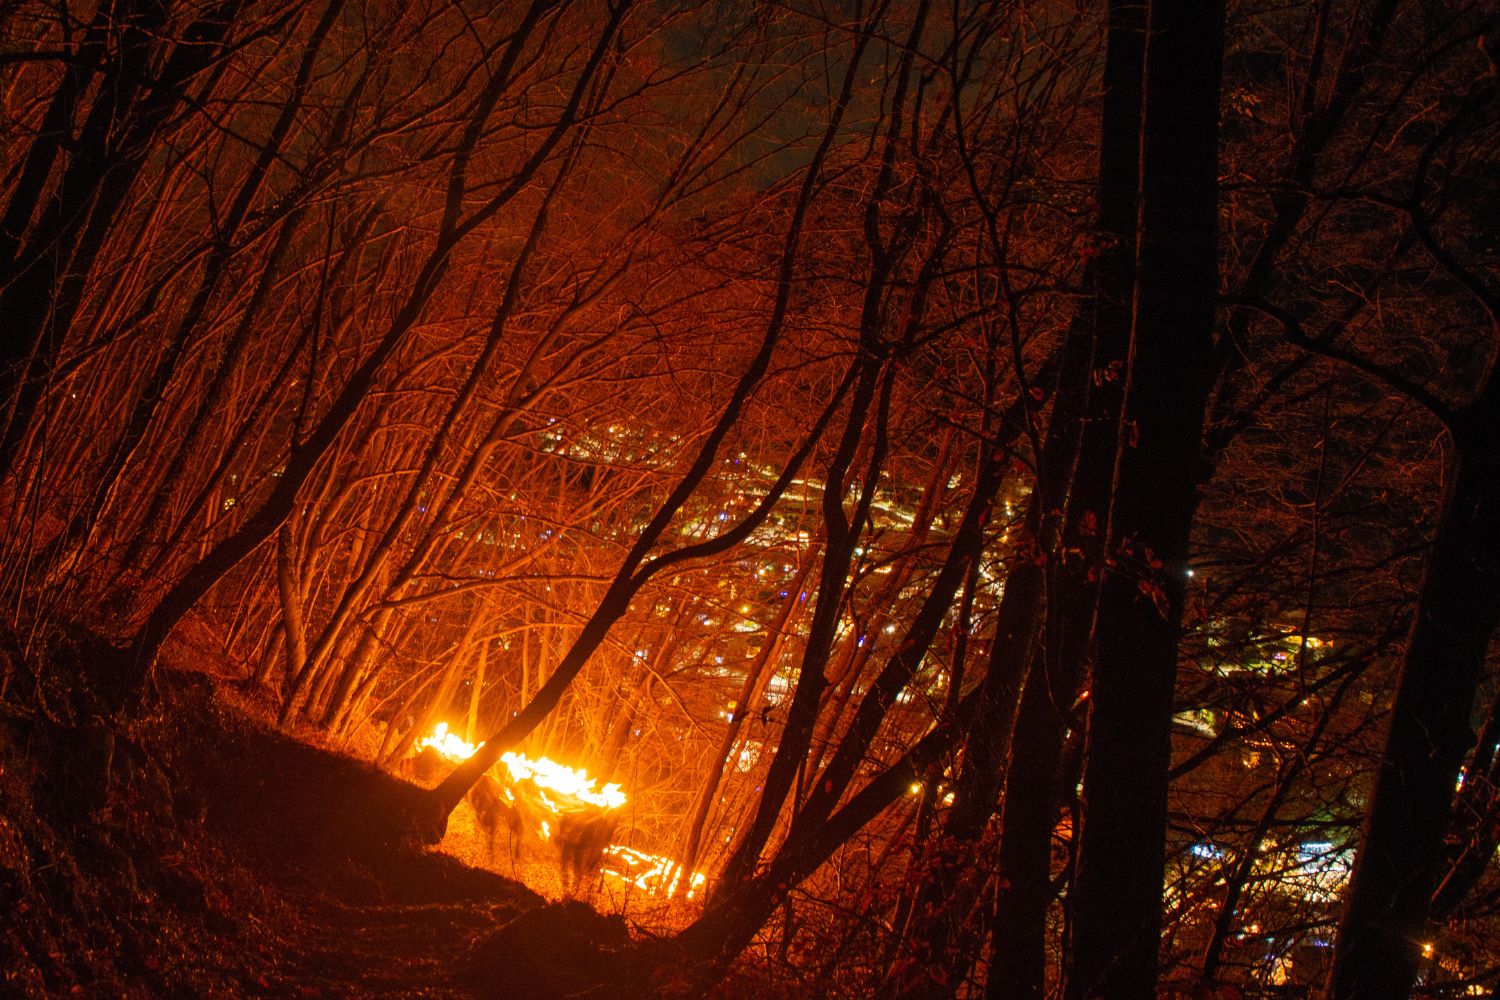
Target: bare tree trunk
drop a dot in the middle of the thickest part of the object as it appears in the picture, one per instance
(44, 291)
(358, 674)
(1224, 921)
(153, 392)
(476, 691)
(842, 531)
(756, 676)
(733, 917)
(947, 894)
(1477, 821)
(1401, 856)
(1400, 860)
(306, 454)
(1077, 474)
(968, 543)
(636, 568)
(270, 654)
(288, 586)
(1116, 898)
(441, 698)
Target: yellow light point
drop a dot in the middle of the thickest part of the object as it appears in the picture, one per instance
(916, 788)
(1427, 949)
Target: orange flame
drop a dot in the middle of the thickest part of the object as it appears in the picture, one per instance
(568, 782)
(651, 873)
(450, 745)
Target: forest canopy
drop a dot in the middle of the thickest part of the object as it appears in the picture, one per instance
(1011, 491)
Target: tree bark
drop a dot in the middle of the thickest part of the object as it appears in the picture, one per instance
(1388, 907)
(756, 678)
(1078, 476)
(1386, 915)
(1116, 898)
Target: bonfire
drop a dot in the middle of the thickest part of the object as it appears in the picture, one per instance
(566, 806)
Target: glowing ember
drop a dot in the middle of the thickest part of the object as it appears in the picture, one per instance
(649, 872)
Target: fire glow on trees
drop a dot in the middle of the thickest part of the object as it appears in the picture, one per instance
(772, 405)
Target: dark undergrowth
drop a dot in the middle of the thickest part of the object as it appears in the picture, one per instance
(192, 851)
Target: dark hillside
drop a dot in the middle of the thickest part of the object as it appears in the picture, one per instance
(198, 852)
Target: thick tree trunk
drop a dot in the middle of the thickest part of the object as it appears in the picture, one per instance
(1116, 898)
(1401, 858)
(1476, 819)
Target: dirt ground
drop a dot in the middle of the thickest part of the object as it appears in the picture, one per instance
(196, 852)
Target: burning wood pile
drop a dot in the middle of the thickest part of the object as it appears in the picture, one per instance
(542, 799)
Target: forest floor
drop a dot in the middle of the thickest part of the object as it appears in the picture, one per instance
(197, 852)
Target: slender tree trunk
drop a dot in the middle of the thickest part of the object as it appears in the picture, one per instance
(153, 392)
(791, 764)
(756, 676)
(108, 156)
(288, 586)
(1239, 877)
(476, 691)
(734, 916)
(359, 673)
(968, 542)
(636, 568)
(1389, 903)
(53, 136)
(307, 454)
(441, 698)
(949, 893)
(1080, 460)
(270, 654)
